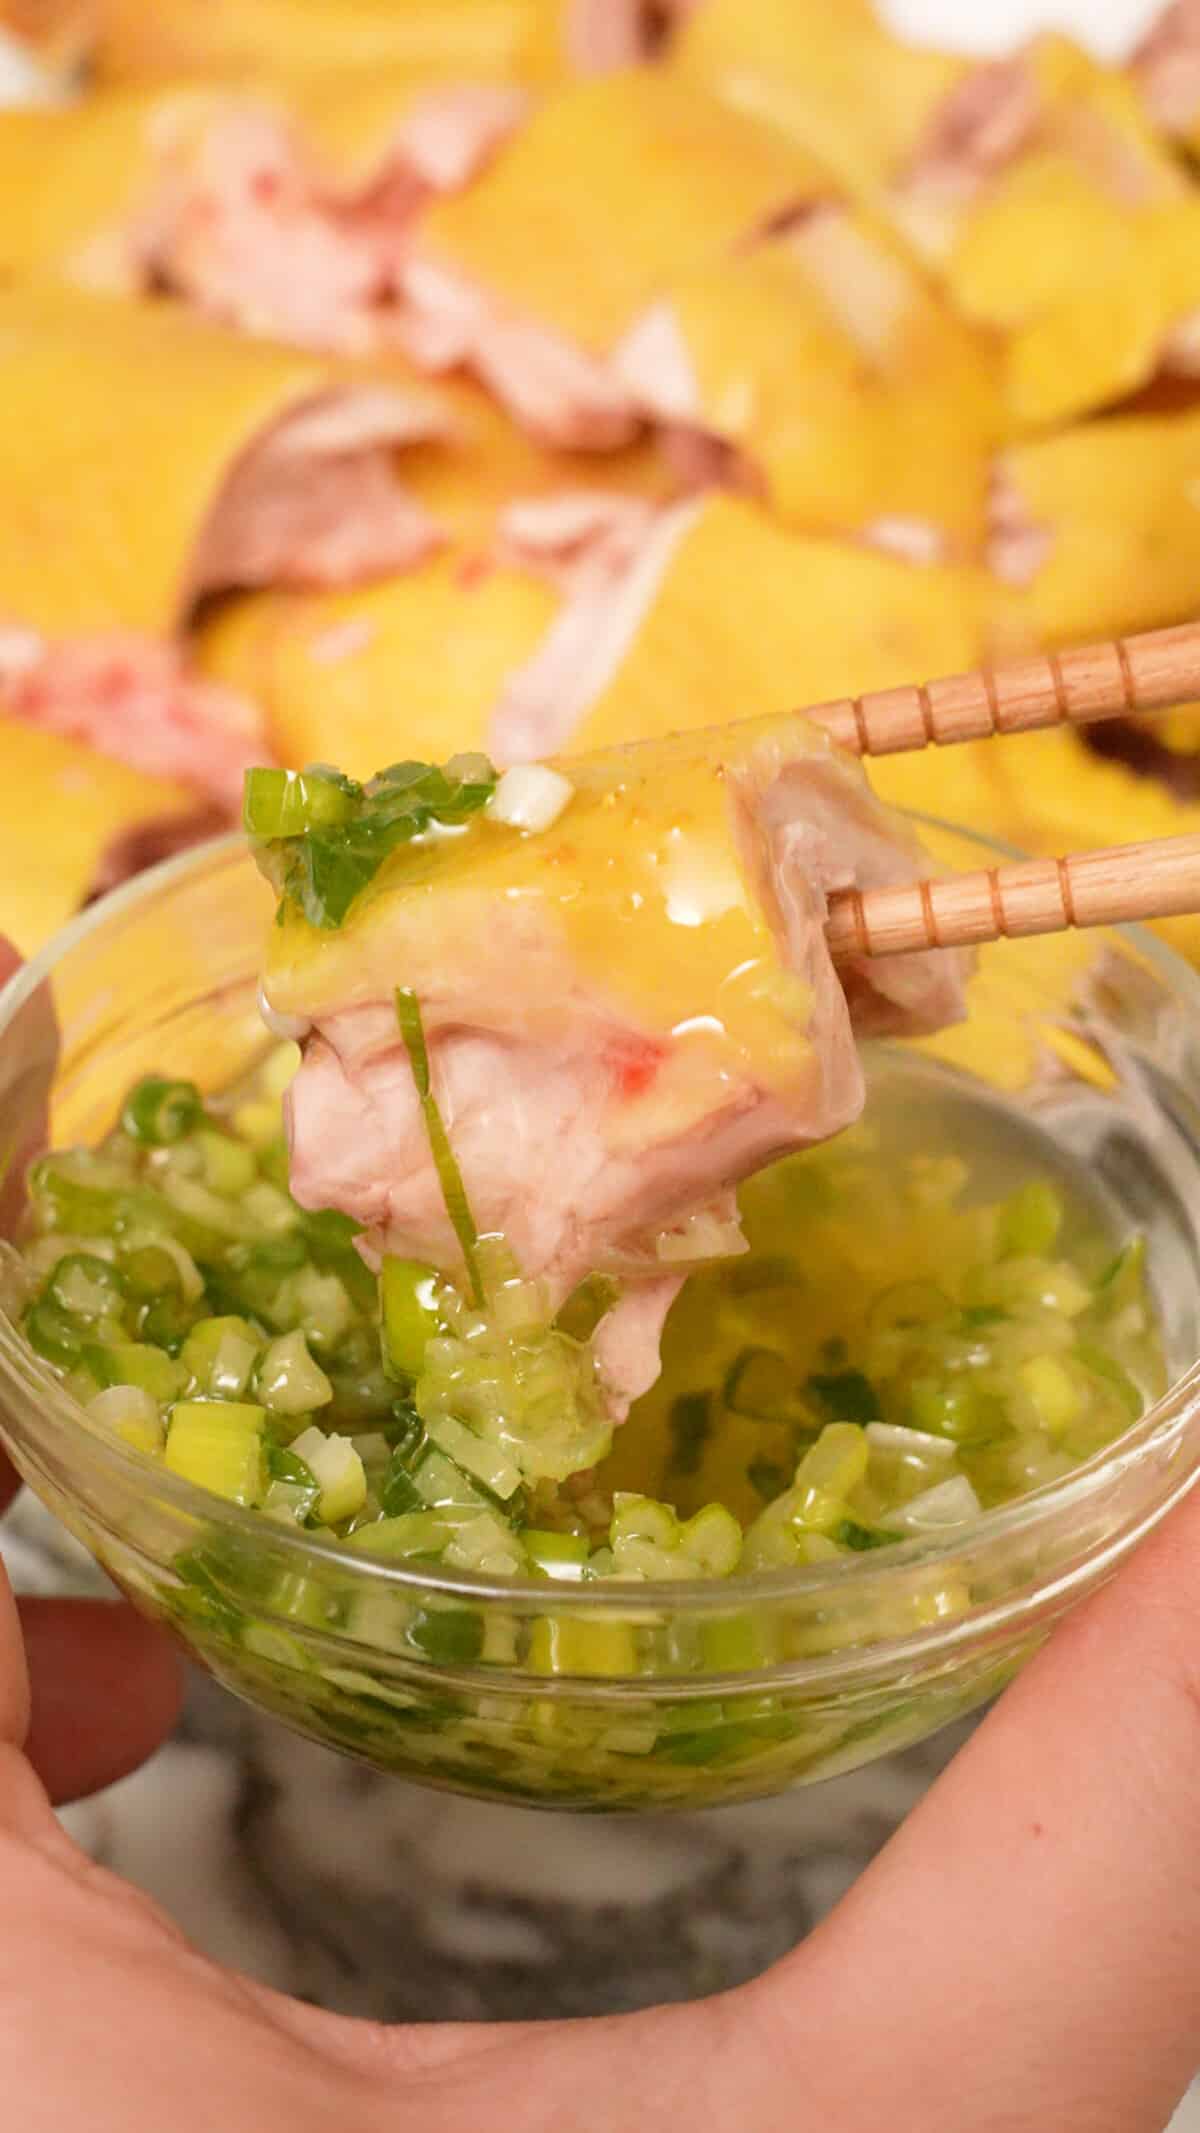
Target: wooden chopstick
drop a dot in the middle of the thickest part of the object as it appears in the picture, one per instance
(1103, 888)
(1075, 688)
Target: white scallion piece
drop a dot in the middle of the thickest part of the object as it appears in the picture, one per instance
(270, 1208)
(891, 1437)
(289, 1382)
(337, 1470)
(530, 796)
(132, 1414)
(949, 1504)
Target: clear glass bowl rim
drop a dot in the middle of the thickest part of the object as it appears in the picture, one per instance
(1028, 1516)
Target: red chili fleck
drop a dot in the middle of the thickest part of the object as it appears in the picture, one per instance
(635, 1061)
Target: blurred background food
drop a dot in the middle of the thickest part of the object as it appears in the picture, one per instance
(388, 377)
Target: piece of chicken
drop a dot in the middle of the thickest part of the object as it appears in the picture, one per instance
(280, 207)
(137, 702)
(718, 606)
(148, 459)
(1166, 70)
(818, 368)
(58, 33)
(1041, 195)
(1097, 528)
(832, 78)
(107, 821)
(626, 1012)
(534, 40)
(411, 666)
(532, 274)
(479, 482)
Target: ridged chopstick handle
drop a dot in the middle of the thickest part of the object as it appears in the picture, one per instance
(1104, 888)
(1074, 688)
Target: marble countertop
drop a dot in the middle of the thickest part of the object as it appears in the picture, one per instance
(378, 1898)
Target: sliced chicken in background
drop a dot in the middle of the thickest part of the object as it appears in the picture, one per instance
(532, 275)
(108, 820)
(817, 368)
(409, 667)
(281, 208)
(491, 479)
(138, 703)
(80, 169)
(59, 33)
(1166, 70)
(1097, 529)
(148, 460)
(288, 216)
(1042, 197)
(627, 1010)
(533, 40)
(829, 76)
(721, 610)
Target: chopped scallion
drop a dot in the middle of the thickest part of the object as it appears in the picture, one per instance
(161, 1112)
(454, 1192)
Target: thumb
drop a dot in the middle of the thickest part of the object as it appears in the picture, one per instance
(1026, 1951)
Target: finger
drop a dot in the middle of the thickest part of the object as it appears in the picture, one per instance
(106, 1689)
(10, 1482)
(14, 1674)
(1026, 1950)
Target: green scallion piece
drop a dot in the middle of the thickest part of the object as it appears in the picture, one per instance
(288, 803)
(159, 1112)
(450, 1636)
(408, 1296)
(454, 1192)
(86, 1287)
(845, 1394)
(321, 838)
(691, 1423)
(399, 1493)
(852, 1534)
(55, 1335)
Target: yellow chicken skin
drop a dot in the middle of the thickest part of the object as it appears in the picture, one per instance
(485, 464)
(534, 41)
(408, 667)
(612, 186)
(1165, 69)
(850, 393)
(749, 618)
(1057, 219)
(69, 816)
(147, 457)
(81, 172)
(208, 189)
(828, 76)
(232, 36)
(1098, 528)
(60, 32)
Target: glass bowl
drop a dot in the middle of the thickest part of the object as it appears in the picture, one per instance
(615, 1695)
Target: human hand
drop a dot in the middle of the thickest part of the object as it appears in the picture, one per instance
(1025, 1953)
